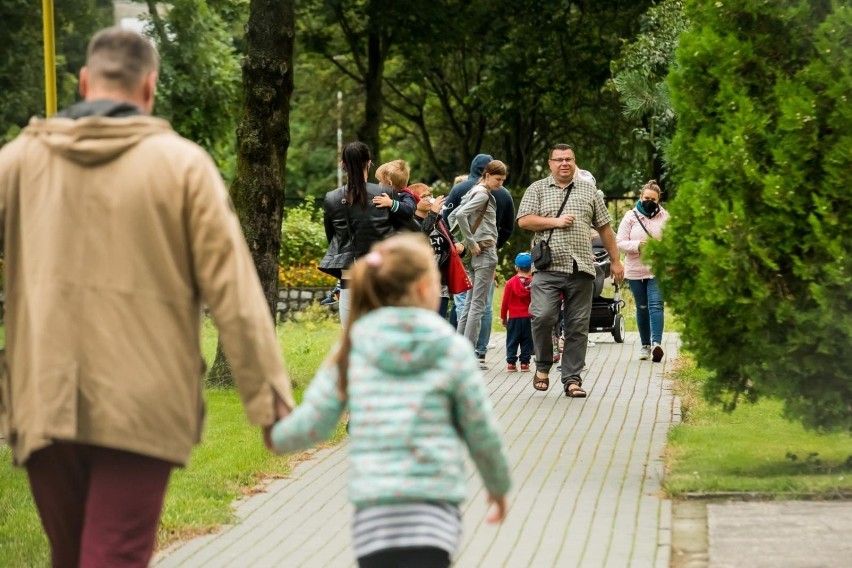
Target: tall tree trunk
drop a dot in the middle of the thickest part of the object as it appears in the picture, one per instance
(263, 137)
(374, 104)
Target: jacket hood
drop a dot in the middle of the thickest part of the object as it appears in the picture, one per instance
(94, 138)
(398, 340)
(477, 165)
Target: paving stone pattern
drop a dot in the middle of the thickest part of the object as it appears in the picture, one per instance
(795, 534)
(586, 473)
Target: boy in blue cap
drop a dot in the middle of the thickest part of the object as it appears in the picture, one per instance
(515, 313)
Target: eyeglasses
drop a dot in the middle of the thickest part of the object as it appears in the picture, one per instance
(562, 160)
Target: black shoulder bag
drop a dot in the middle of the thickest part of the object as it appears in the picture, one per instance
(541, 250)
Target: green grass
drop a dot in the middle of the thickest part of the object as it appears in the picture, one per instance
(229, 463)
(752, 449)
(22, 542)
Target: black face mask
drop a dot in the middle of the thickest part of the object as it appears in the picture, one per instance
(650, 206)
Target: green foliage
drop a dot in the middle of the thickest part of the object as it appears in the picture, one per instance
(756, 256)
(458, 81)
(200, 83)
(302, 235)
(639, 77)
(22, 64)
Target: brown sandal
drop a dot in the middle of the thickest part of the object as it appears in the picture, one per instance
(541, 383)
(576, 392)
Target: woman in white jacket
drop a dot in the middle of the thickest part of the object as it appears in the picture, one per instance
(644, 222)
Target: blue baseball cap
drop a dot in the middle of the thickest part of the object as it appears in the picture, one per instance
(523, 261)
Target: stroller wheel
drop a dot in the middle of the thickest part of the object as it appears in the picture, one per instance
(618, 328)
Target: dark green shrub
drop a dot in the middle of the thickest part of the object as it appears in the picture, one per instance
(302, 235)
(756, 258)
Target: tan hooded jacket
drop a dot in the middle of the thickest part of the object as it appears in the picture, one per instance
(115, 231)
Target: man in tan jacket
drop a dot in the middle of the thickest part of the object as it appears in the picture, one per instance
(115, 231)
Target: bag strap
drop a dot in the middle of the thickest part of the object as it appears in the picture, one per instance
(446, 234)
(475, 225)
(568, 191)
(641, 224)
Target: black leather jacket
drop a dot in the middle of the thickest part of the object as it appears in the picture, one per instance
(351, 231)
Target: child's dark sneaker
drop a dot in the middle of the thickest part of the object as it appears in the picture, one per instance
(657, 353)
(332, 298)
(511, 367)
(525, 367)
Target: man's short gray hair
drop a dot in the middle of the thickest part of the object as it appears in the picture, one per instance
(122, 58)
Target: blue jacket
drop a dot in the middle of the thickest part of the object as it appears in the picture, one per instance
(505, 203)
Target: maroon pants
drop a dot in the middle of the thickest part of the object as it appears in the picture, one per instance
(99, 507)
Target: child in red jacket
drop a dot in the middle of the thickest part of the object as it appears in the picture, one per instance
(515, 313)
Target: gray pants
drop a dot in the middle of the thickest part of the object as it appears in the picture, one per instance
(482, 269)
(577, 289)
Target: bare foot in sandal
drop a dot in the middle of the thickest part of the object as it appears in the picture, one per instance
(573, 390)
(541, 382)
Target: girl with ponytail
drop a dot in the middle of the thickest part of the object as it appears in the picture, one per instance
(416, 401)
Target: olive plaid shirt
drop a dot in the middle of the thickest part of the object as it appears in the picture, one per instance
(543, 198)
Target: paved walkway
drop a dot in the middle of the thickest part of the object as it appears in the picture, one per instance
(586, 476)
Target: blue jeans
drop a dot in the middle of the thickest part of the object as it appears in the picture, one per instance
(649, 310)
(519, 335)
(442, 308)
(460, 304)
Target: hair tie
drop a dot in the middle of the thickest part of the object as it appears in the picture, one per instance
(373, 258)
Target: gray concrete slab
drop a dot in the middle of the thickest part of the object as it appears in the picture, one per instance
(587, 475)
(790, 534)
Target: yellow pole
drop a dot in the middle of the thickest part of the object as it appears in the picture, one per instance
(49, 58)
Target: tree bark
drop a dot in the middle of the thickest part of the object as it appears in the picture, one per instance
(263, 137)
(374, 103)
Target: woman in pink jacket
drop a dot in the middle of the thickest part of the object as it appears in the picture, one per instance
(644, 222)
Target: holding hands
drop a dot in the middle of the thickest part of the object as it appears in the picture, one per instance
(280, 411)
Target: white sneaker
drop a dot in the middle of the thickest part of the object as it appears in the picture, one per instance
(590, 343)
(645, 353)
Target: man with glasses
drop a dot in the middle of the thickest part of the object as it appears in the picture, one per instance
(560, 209)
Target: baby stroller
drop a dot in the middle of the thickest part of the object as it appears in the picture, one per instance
(606, 312)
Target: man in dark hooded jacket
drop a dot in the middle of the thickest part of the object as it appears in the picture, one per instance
(505, 226)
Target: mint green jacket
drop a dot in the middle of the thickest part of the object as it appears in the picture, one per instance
(416, 399)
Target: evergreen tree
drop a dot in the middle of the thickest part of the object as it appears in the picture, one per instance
(756, 256)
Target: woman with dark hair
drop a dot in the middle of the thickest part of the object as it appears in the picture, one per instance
(352, 222)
